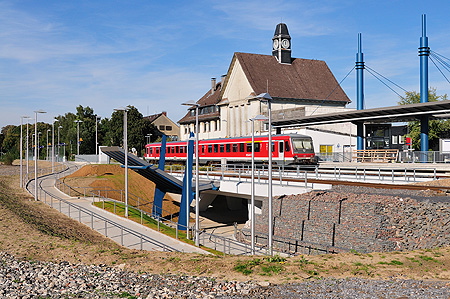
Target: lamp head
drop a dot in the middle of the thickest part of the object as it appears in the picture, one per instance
(190, 103)
(259, 118)
(264, 97)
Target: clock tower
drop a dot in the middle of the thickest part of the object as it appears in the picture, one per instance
(281, 44)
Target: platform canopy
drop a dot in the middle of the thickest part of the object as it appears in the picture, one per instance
(401, 113)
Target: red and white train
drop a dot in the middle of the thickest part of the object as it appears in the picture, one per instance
(286, 149)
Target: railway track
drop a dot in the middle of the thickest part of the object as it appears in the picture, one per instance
(412, 186)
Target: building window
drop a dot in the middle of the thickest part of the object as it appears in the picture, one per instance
(185, 129)
(161, 128)
(394, 139)
(168, 128)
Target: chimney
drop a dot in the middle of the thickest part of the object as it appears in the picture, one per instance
(164, 113)
(222, 81)
(213, 85)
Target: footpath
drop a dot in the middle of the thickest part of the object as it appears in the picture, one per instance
(121, 230)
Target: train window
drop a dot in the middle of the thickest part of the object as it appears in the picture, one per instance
(222, 148)
(168, 150)
(234, 147)
(241, 147)
(228, 147)
(257, 147)
(216, 148)
(177, 149)
(249, 147)
(299, 145)
(280, 147)
(286, 146)
(210, 148)
(157, 150)
(273, 146)
(185, 149)
(181, 149)
(151, 151)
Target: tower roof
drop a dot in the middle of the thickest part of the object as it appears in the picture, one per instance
(281, 30)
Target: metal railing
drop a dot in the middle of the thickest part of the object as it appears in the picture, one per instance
(63, 204)
(300, 175)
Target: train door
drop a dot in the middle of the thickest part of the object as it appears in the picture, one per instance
(281, 151)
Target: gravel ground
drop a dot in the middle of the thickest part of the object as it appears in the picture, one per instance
(28, 279)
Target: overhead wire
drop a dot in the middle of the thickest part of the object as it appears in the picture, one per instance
(367, 67)
(370, 71)
(339, 84)
(431, 58)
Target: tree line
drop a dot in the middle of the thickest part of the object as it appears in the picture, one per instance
(109, 133)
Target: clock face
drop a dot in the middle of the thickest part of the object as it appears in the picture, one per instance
(285, 43)
(275, 44)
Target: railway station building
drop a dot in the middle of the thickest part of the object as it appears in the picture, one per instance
(299, 87)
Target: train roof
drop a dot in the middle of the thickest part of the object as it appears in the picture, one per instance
(237, 138)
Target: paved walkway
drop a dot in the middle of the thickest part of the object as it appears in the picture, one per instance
(123, 231)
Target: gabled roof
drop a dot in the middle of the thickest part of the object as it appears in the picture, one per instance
(153, 117)
(303, 79)
(207, 100)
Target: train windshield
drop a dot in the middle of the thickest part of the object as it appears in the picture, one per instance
(301, 145)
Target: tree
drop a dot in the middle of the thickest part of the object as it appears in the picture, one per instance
(138, 127)
(437, 128)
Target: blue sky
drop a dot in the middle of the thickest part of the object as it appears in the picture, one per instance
(56, 55)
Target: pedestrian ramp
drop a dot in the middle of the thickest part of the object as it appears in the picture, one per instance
(164, 181)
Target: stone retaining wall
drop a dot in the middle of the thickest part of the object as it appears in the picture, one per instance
(365, 223)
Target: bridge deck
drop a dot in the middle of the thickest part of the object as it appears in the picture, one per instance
(163, 180)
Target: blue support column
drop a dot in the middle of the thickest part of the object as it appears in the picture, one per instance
(360, 92)
(187, 194)
(159, 195)
(424, 52)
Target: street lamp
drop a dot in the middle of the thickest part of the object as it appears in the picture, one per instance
(39, 147)
(148, 136)
(96, 135)
(36, 152)
(27, 148)
(197, 209)
(21, 150)
(252, 208)
(78, 135)
(47, 142)
(265, 97)
(125, 148)
(53, 144)
(59, 149)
